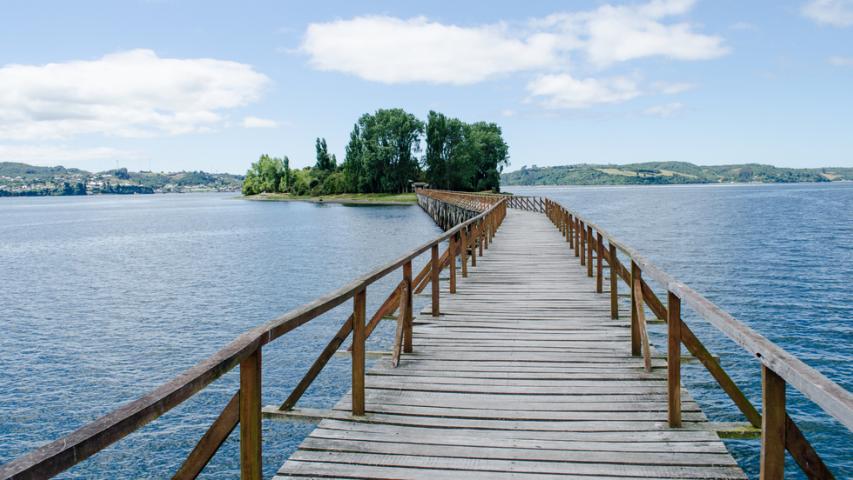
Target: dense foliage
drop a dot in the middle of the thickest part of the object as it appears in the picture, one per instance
(383, 156)
(670, 173)
(461, 156)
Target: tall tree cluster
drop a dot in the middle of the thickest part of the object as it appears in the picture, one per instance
(383, 156)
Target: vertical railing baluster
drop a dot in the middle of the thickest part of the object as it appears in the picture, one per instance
(614, 281)
(435, 270)
(358, 340)
(463, 250)
(635, 321)
(599, 265)
(407, 320)
(250, 417)
(772, 425)
(589, 248)
(451, 257)
(673, 359)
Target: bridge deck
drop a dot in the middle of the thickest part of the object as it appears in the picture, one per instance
(523, 376)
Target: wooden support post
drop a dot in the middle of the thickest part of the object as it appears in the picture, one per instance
(576, 227)
(407, 320)
(599, 266)
(635, 321)
(590, 246)
(480, 240)
(463, 237)
(452, 262)
(673, 357)
(614, 282)
(358, 339)
(435, 270)
(582, 228)
(772, 425)
(473, 240)
(250, 417)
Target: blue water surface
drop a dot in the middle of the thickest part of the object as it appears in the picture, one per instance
(104, 298)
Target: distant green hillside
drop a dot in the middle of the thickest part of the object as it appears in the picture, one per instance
(663, 173)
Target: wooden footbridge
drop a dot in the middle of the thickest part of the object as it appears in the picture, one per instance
(521, 366)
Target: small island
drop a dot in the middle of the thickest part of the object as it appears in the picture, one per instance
(383, 161)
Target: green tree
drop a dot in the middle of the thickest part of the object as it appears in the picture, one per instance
(264, 176)
(325, 161)
(382, 152)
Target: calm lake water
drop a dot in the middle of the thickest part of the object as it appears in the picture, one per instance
(104, 298)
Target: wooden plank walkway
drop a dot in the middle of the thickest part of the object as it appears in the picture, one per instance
(524, 375)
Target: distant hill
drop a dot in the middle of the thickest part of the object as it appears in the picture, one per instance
(20, 179)
(663, 173)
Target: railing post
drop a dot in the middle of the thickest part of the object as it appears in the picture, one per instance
(570, 221)
(472, 240)
(584, 243)
(435, 269)
(358, 338)
(451, 256)
(250, 417)
(589, 248)
(463, 251)
(577, 227)
(599, 265)
(614, 282)
(407, 320)
(481, 236)
(635, 321)
(772, 425)
(673, 359)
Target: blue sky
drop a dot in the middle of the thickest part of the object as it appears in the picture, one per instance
(175, 85)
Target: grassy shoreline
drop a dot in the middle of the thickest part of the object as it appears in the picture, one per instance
(347, 198)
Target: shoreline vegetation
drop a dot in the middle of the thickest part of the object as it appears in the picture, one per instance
(383, 156)
(343, 198)
(670, 173)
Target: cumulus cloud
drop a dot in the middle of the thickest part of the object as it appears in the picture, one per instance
(393, 50)
(55, 154)
(838, 13)
(839, 61)
(565, 91)
(256, 122)
(129, 94)
(612, 34)
(664, 111)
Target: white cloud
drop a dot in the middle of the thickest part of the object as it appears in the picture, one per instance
(565, 91)
(664, 111)
(839, 61)
(743, 26)
(56, 154)
(612, 34)
(838, 13)
(130, 94)
(392, 50)
(508, 112)
(256, 122)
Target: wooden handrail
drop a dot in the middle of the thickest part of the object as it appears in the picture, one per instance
(778, 366)
(55, 457)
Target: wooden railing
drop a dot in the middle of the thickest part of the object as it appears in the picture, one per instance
(467, 240)
(463, 199)
(778, 367)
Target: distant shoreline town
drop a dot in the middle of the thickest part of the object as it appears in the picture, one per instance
(22, 180)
